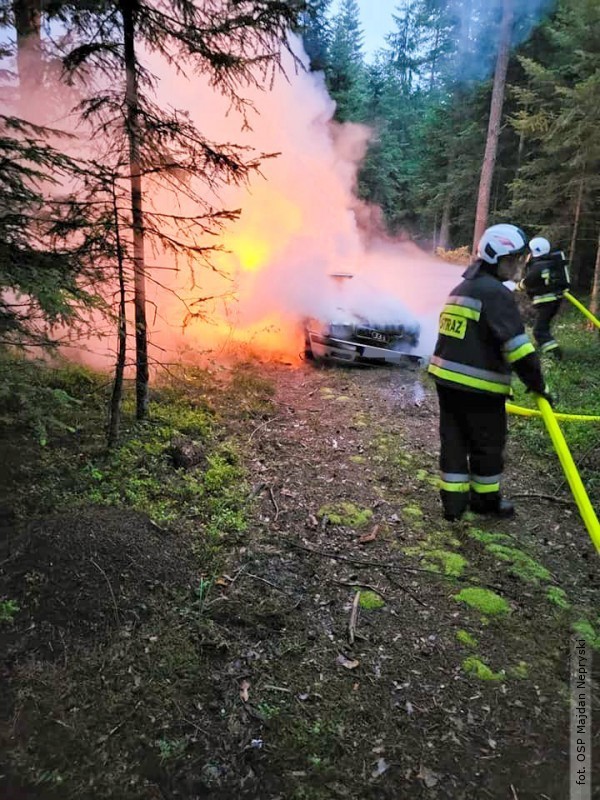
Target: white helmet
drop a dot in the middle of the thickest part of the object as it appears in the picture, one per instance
(539, 246)
(501, 240)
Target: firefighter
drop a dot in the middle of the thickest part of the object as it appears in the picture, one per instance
(546, 279)
(481, 339)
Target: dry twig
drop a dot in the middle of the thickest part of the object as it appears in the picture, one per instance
(353, 618)
(112, 594)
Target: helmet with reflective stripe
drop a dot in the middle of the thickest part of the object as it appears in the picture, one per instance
(501, 240)
(539, 246)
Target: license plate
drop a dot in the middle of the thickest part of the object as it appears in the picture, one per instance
(376, 336)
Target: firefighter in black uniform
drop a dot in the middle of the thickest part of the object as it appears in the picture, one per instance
(546, 279)
(481, 340)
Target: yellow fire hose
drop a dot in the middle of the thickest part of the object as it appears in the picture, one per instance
(566, 459)
(520, 411)
(586, 312)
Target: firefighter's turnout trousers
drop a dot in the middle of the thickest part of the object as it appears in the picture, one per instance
(544, 314)
(472, 437)
(481, 340)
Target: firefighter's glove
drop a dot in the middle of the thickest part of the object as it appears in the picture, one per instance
(546, 394)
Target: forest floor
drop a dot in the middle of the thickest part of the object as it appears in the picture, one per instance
(139, 664)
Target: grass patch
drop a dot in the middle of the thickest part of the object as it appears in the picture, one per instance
(69, 466)
(575, 382)
(8, 610)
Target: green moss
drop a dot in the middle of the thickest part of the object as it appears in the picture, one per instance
(586, 630)
(413, 512)
(487, 538)
(483, 600)
(558, 596)
(357, 459)
(371, 600)
(346, 514)
(465, 638)
(522, 565)
(519, 671)
(474, 666)
(452, 564)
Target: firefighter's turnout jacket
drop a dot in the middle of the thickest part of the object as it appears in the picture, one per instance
(482, 338)
(546, 278)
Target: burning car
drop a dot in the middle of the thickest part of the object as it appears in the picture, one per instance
(352, 337)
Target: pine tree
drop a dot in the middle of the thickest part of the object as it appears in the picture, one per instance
(315, 29)
(54, 245)
(346, 76)
(559, 118)
(236, 45)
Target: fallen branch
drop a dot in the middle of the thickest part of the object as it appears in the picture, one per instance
(353, 618)
(383, 565)
(260, 427)
(358, 585)
(407, 591)
(275, 506)
(264, 580)
(562, 500)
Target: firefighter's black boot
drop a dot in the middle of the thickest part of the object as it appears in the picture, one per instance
(493, 504)
(455, 504)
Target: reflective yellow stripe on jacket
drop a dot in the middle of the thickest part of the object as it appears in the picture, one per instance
(546, 298)
(517, 348)
(472, 377)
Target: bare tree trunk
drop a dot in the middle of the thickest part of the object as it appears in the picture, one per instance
(595, 300)
(445, 225)
(576, 220)
(137, 215)
(28, 18)
(114, 421)
(491, 146)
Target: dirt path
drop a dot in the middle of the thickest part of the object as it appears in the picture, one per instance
(400, 713)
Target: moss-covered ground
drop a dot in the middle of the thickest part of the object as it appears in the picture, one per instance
(179, 631)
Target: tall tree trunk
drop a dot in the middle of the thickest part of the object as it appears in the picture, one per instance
(28, 19)
(435, 57)
(595, 300)
(493, 134)
(445, 225)
(576, 220)
(114, 420)
(137, 214)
